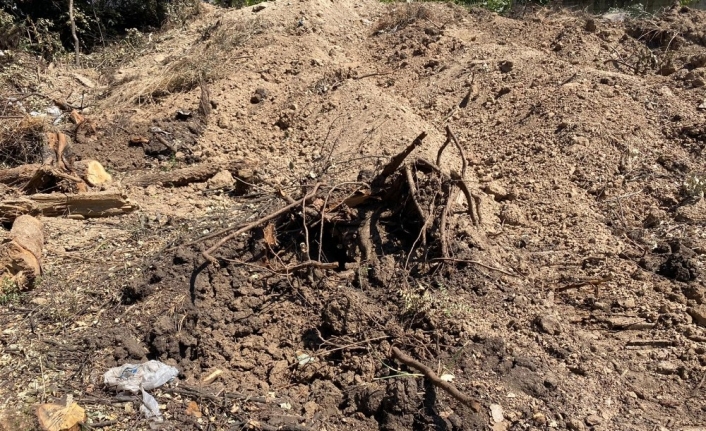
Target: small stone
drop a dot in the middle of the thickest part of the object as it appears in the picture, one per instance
(593, 420)
(496, 412)
(221, 180)
(590, 25)
(258, 7)
(551, 382)
(39, 301)
(627, 303)
(496, 190)
(575, 425)
(506, 66)
(702, 106)
(539, 418)
(223, 122)
(667, 367)
(698, 313)
(310, 409)
(548, 324)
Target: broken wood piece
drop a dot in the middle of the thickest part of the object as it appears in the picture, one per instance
(303, 201)
(185, 176)
(85, 205)
(76, 118)
(650, 343)
(92, 172)
(435, 380)
(211, 377)
(21, 257)
(398, 159)
(19, 175)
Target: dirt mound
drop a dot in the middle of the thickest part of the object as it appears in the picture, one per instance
(540, 248)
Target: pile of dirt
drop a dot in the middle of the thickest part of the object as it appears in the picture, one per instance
(539, 248)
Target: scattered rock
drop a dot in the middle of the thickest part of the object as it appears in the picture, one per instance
(496, 190)
(221, 180)
(539, 418)
(575, 425)
(667, 367)
(698, 313)
(223, 122)
(593, 420)
(548, 324)
(496, 412)
(258, 7)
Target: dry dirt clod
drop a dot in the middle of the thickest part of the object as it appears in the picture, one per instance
(698, 313)
(548, 324)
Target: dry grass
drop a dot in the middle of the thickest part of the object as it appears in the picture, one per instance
(208, 60)
(400, 16)
(20, 141)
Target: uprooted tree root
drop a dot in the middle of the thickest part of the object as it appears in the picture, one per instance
(404, 211)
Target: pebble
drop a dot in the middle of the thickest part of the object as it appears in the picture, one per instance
(593, 420)
(223, 179)
(667, 367)
(575, 425)
(698, 313)
(496, 412)
(548, 324)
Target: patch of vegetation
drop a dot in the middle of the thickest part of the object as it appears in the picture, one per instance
(44, 27)
(10, 292)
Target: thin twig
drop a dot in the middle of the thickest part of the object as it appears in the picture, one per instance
(435, 380)
(475, 262)
(208, 253)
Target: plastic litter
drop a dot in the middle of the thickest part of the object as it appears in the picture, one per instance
(150, 407)
(149, 375)
(138, 378)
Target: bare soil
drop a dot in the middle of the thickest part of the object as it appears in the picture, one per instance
(577, 302)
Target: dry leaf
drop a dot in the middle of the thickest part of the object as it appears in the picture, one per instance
(193, 410)
(270, 235)
(55, 417)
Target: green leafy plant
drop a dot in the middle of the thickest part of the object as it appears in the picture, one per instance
(10, 292)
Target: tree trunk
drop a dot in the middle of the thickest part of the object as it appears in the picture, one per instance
(73, 31)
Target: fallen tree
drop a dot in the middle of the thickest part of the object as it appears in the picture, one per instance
(82, 205)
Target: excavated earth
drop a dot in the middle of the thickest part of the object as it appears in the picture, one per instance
(578, 302)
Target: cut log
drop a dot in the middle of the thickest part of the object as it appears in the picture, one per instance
(185, 176)
(18, 176)
(92, 172)
(21, 257)
(85, 205)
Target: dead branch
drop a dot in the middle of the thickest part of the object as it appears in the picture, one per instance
(312, 263)
(475, 262)
(185, 176)
(413, 195)
(208, 253)
(84, 205)
(195, 392)
(473, 201)
(398, 159)
(464, 163)
(435, 380)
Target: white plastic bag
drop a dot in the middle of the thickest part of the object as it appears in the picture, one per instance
(149, 375)
(150, 407)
